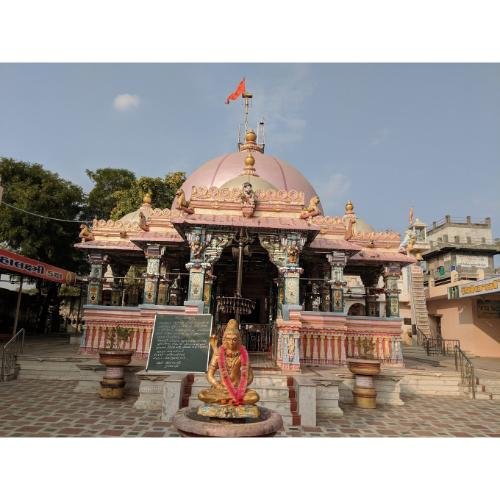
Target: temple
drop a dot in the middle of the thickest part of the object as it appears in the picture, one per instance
(246, 237)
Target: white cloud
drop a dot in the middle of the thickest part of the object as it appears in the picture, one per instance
(124, 102)
(332, 193)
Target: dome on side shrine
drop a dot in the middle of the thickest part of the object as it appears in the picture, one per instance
(270, 173)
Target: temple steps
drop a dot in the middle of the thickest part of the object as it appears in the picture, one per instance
(274, 391)
(418, 353)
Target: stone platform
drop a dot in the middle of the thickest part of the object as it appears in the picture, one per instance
(189, 423)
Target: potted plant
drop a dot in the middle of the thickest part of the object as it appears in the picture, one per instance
(115, 357)
(364, 368)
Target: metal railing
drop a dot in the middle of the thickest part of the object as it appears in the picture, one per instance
(464, 365)
(256, 337)
(450, 347)
(10, 350)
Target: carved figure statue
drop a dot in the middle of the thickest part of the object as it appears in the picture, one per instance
(408, 242)
(349, 220)
(197, 247)
(292, 252)
(231, 360)
(85, 233)
(312, 210)
(248, 200)
(182, 204)
(143, 222)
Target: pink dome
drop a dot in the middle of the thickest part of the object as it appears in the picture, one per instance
(280, 174)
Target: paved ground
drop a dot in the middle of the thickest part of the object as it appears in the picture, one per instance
(50, 408)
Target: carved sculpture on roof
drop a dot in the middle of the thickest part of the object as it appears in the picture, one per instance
(408, 242)
(143, 222)
(312, 210)
(225, 194)
(247, 200)
(349, 221)
(85, 233)
(181, 203)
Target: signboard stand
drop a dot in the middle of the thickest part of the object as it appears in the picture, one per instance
(180, 343)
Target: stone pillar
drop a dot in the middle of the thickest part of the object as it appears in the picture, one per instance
(98, 265)
(370, 279)
(391, 275)
(207, 292)
(153, 255)
(337, 262)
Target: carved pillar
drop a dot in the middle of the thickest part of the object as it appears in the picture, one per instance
(119, 271)
(207, 291)
(370, 277)
(98, 265)
(153, 256)
(391, 275)
(337, 262)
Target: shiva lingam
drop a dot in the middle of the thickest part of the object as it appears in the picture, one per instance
(229, 396)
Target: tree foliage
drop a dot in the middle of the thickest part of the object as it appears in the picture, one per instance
(107, 181)
(32, 188)
(162, 193)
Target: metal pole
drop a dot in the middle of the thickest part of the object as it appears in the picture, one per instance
(19, 293)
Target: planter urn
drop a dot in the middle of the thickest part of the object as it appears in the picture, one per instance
(364, 393)
(113, 382)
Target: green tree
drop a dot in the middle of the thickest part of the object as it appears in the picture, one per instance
(162, 193)
(107, 181)
(31, 188)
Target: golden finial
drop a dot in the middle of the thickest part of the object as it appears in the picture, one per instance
(349, 207)
(250, 136)
(249, 165)
(147, 198)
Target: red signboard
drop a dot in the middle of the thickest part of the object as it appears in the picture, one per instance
(23, 265)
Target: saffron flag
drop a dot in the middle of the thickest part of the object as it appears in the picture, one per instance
(239, 91)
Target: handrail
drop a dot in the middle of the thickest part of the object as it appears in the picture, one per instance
(466, 370)
(447, 347)
(16, 343)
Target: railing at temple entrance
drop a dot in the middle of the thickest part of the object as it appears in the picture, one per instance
(256, 337)
(10, 351)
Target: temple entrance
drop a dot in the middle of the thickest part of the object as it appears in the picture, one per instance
(258, 274)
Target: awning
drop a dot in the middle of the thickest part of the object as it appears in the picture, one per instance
(19, 264)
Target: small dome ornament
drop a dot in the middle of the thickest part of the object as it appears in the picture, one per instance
(250, 136)
(249, 165)
(249, 160)
(349, 207)
(147, 198)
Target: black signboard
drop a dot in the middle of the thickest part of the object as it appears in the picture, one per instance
(180, 343)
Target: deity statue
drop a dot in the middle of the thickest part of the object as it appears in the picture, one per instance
(248, 200)
(197, 247)
(292, 252)
(230, 391)
(312, 210)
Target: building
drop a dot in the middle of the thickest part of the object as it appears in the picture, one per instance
(463, 298)
(246, 236)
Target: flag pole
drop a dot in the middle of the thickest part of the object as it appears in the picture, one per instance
(246, 97)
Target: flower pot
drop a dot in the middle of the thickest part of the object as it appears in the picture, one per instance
(113, 382)
(364, 393)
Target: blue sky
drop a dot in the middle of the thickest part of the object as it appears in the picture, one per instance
(387, 136)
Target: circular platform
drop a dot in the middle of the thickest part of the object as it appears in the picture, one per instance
(189, 423)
